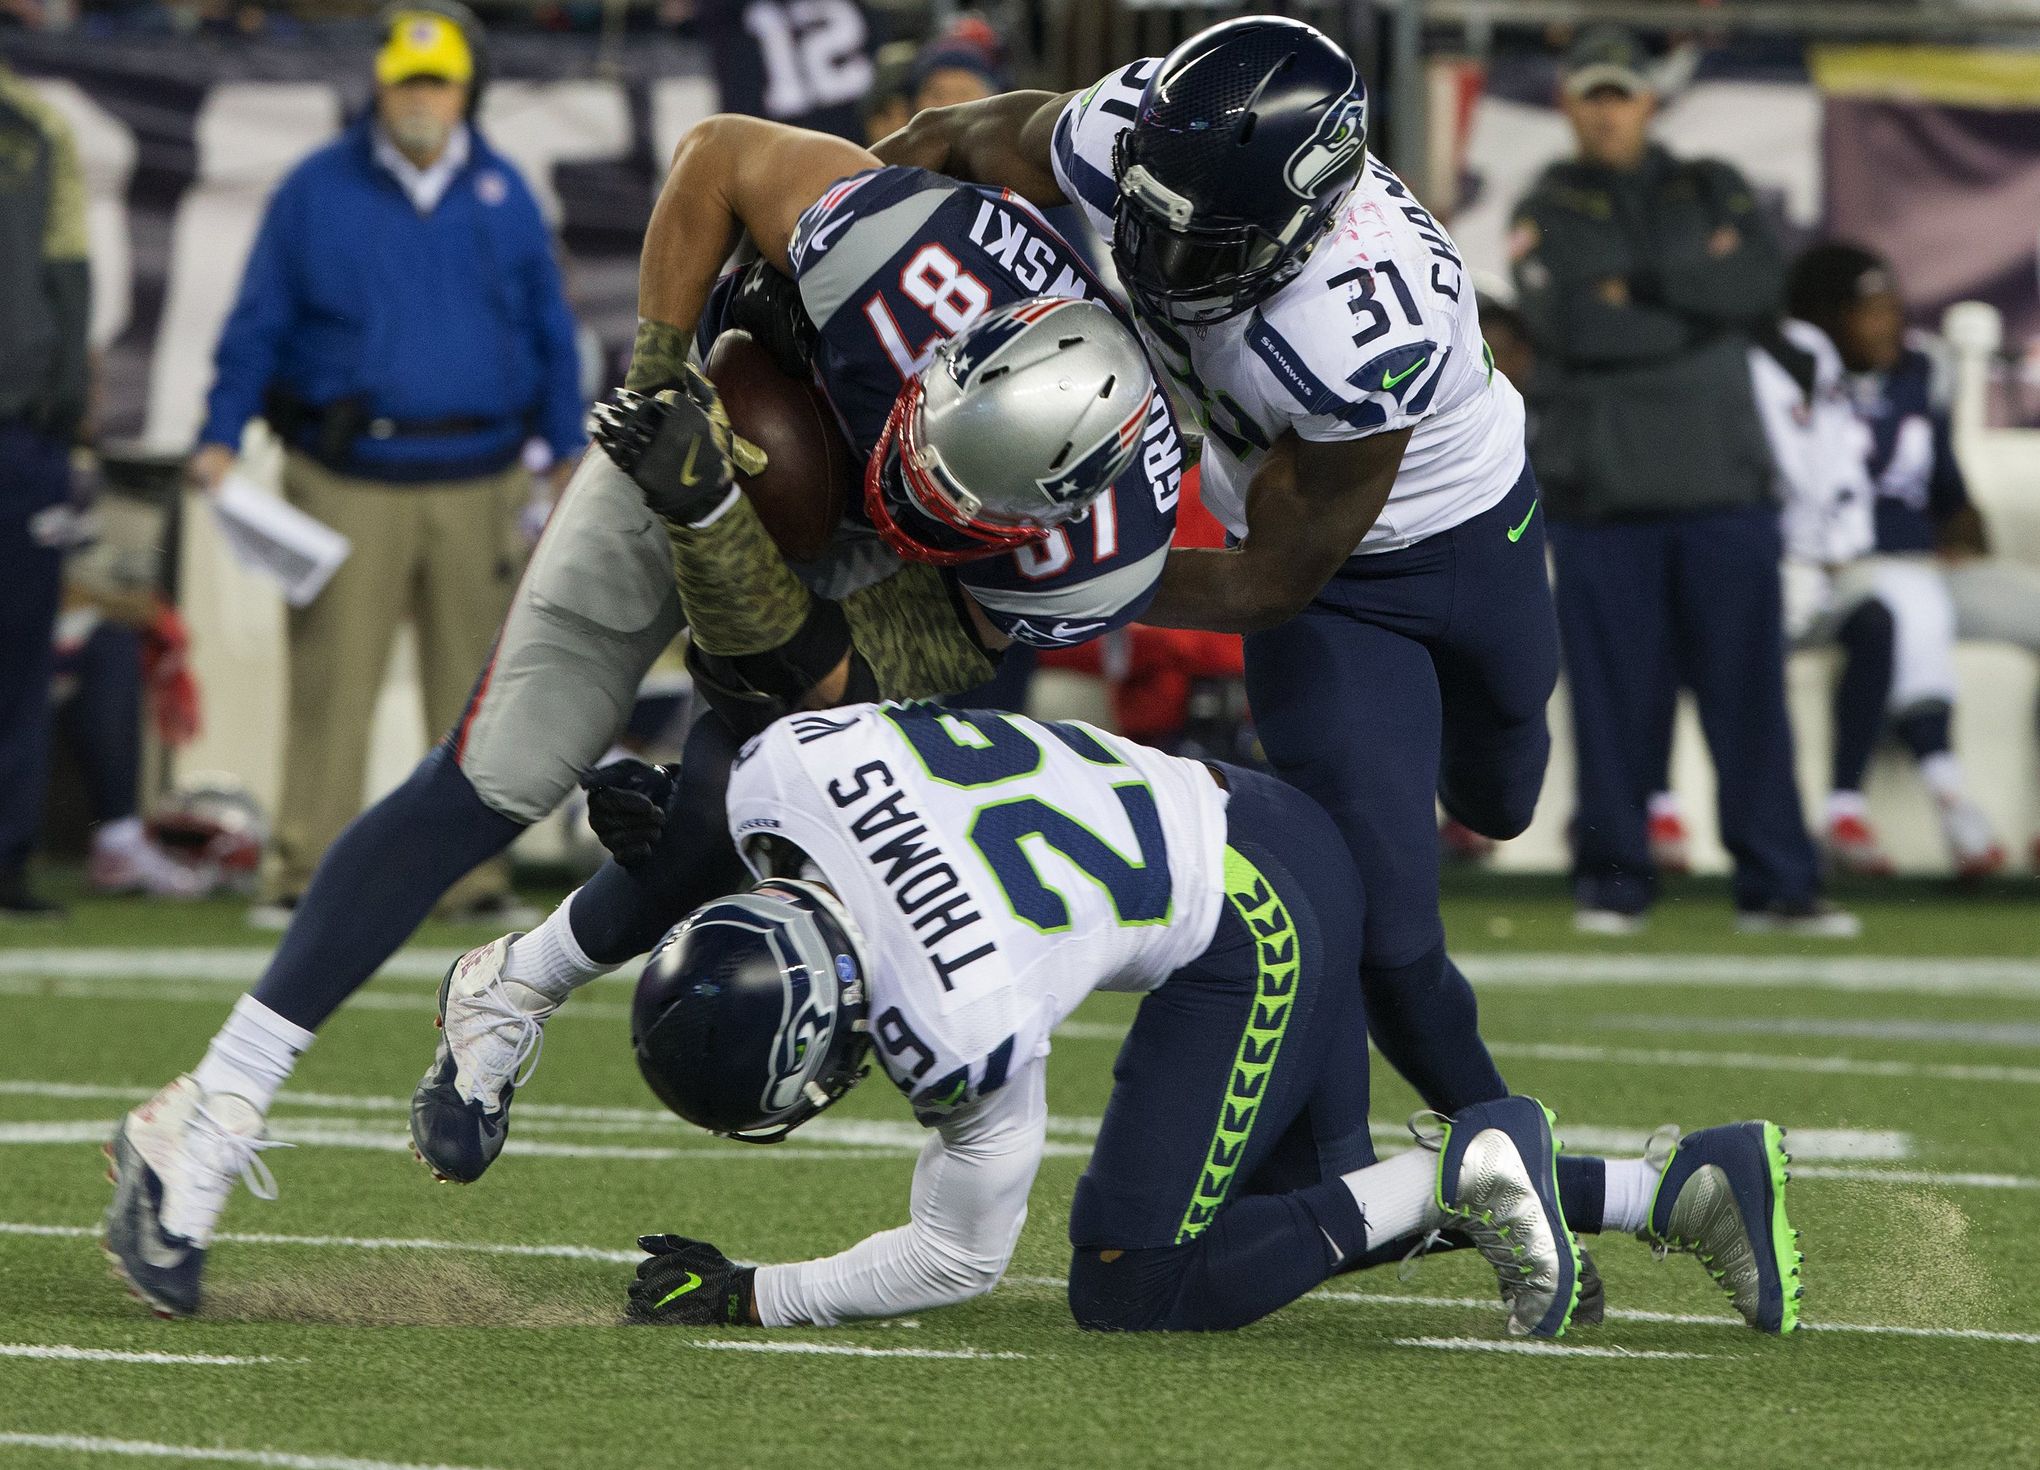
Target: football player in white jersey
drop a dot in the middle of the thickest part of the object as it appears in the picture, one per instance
(929, 892)
(1389, 569)
(925, 890)
(950, 885)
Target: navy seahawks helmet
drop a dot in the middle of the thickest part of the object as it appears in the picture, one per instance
(749, 1018)
(1248, 139)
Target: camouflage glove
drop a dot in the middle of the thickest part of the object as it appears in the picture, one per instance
(677, 445)
(689, 1282)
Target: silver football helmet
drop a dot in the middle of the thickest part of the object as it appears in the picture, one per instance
(1016, 425)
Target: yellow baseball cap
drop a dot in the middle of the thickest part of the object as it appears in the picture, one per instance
(423, 44)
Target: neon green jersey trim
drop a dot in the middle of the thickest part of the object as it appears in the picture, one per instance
(1278, 960)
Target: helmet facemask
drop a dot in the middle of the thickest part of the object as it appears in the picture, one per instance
(920, 511)
(1191, 273)
(1015, 426)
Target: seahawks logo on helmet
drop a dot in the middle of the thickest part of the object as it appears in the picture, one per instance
(790, 1054)
(1341, 133)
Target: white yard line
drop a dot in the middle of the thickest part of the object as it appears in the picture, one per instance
(1535, 1350)
(1910, 1176)
(144, 1449)
(1804, 1144)
(1755, 1061)
(377, 1139)
(1895, 974)
(192, 992)
(650, 1119)
(541, 1129)
(214, 964)
(839, 1349)
(360, 1243)
(1359, 1298)
(60, 1352)
(2023, 1034)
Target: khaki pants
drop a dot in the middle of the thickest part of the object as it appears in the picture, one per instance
(446, 556)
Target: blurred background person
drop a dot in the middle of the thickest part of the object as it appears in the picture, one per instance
(1640, 277)
(45, 308)
(966, 63)
(403, 327)
(803, 62)
(889, 105)
(117, 651)
(1926, 527)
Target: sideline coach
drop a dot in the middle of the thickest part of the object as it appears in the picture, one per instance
(1641, 278)
(403, 327)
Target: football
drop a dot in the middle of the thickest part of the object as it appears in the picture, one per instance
(810, 474)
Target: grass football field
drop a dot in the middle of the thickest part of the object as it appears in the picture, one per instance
(370, 1319)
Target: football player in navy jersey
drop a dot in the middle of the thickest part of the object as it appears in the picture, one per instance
(803, 62)
(1388, 569)
(1049, 534)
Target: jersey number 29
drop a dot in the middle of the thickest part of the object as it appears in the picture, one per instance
(977, 750)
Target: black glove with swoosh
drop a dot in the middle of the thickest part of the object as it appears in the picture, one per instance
(676, 444)
(690, 1282)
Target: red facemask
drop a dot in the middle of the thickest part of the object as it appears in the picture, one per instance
(928, 497)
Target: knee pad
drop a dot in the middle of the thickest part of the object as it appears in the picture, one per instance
(1126, 1291)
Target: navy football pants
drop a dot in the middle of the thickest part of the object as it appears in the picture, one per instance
(35, 474)
(1697, 596)
(1419, 675)
(1241, 1085)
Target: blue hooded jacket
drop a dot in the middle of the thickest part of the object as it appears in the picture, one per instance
(453, 316)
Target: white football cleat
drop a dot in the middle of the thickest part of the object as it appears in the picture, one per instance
(1972, 843)
(174, 1161)
(492, 1032)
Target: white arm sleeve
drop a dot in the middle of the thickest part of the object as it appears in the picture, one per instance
(969, 1202)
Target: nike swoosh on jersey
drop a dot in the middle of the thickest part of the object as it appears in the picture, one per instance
(819, 240)
(1516, 531)
(1388, 382)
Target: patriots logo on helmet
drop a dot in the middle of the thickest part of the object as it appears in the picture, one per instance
(993, 333)
(1096, 465)
(1341, 133)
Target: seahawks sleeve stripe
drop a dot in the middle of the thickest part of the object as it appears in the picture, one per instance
(1315, 395)
(1090, 182)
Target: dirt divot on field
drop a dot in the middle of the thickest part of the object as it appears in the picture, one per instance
(1910, 1260)
(402, 1293)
